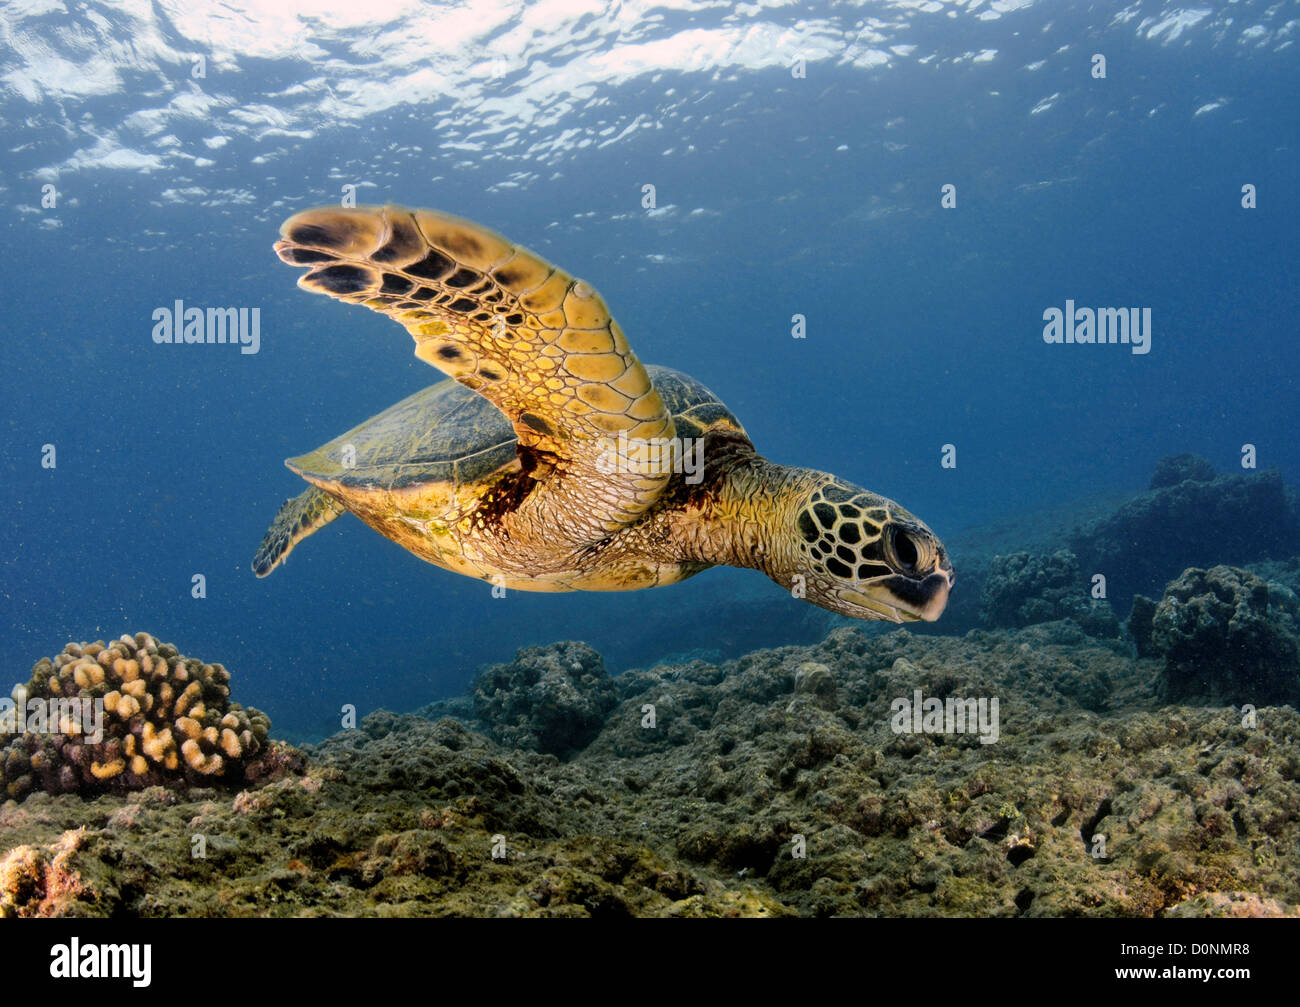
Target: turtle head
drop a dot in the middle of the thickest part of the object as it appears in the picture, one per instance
(864, 556)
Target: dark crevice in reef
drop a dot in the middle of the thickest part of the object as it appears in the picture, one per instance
(1090, 826)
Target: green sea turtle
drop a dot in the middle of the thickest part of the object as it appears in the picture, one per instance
(554, 460)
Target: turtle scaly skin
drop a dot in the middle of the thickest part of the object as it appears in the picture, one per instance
(304, 515)
(554, 460)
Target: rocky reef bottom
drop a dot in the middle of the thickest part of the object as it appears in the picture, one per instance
(793, 781)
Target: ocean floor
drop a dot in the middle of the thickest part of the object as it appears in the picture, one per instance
(772, 785)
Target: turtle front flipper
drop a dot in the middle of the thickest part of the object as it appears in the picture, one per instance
(539, 344)
(305, 514)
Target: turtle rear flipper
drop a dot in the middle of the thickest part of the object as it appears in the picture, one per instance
(305, 514)
(537, 343)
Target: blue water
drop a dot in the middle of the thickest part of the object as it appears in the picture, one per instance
(775, 196)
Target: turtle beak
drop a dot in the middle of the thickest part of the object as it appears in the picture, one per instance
(905, 599)
(934, 589)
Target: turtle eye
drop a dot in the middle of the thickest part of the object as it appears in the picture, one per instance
(903, 549)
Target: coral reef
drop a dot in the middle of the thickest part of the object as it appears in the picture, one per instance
(1231, 905)
(775, 784)
(401, 817)
(549, 699)
(1283, 573)
(42, 881)
(1139, 625)
(127, 715)
(1226, 636)
(1025, 588)
(1156, 535)
(1139, 541)
(1041, 531)
(1174, 469)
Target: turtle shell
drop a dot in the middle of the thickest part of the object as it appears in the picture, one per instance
(447, 433)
